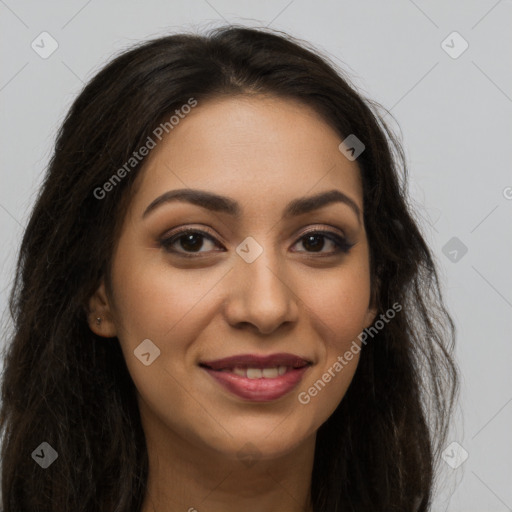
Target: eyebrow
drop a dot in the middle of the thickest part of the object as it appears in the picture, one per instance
(229, 206)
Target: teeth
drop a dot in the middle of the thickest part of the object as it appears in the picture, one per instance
(270, 373)
(258, 373)
(239, 371)
(254, 373)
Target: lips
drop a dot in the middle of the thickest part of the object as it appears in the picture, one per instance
(254, 361)
(258, 378)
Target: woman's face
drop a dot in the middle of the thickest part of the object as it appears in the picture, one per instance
(250, 281)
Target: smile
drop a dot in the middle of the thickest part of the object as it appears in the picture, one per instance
(258, 378)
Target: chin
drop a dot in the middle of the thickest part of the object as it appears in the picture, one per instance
(269, 440)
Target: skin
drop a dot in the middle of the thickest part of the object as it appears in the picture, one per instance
(262, 152)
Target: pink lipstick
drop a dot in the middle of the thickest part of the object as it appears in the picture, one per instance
(258, 378)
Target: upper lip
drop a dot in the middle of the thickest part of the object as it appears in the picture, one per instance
(257, 361)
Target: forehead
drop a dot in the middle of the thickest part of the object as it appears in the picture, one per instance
(251, 148)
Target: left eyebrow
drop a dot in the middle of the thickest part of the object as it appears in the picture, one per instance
(310, 203)
(224, 204)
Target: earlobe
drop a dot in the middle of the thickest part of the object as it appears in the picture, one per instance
(370, 316)
(373, 308)
(99, 314)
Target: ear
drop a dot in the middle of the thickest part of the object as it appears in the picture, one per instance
(369, 317)
(99, 307)
(373, 308)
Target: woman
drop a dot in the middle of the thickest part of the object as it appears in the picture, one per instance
(222, 300)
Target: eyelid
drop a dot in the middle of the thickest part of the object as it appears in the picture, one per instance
(180, 230)
(322, 227)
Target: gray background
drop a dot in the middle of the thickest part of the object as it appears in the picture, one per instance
(454, 116)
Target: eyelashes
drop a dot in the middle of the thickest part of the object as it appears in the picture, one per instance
(191, 240)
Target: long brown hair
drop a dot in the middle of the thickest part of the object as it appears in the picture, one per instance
(66, 386)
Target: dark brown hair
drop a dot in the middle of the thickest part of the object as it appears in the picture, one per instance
(64, 385)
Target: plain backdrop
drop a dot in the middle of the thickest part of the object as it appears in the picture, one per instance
(452, 106)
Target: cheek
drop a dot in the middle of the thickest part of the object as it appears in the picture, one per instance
(154, 303)
(342, 304)
(152, 298)
(167, 307)
(325, 389)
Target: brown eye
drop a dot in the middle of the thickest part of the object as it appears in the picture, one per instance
(314, 241)
(191, 242)
(187, 242)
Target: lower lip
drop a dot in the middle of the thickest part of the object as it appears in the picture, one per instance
(258, 390)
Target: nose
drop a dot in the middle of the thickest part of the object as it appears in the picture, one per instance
(261, 295)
